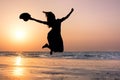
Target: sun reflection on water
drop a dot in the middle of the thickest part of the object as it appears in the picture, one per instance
(18, 61)
(18, 70)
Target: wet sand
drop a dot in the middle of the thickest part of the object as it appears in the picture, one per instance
(23, 68)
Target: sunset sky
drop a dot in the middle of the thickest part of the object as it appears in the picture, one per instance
(93, 26)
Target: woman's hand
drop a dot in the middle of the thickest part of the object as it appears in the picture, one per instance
(72, 10)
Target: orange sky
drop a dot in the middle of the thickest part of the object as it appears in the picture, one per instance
(93, 26)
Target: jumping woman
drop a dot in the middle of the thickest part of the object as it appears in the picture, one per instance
(55, 42)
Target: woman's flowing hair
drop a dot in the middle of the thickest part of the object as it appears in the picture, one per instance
(50, 18)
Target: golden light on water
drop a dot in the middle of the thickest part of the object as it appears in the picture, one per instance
(18, 61)
(18, 70)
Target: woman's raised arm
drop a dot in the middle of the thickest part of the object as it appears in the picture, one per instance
(27, 16)
(64, 18)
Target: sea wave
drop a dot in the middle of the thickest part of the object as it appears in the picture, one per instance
(67, 55)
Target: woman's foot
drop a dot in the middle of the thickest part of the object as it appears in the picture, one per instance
(46, 46)
(51, 52)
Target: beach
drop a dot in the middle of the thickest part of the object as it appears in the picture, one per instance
(52, 68)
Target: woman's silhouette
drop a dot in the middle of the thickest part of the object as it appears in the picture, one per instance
(55, 42)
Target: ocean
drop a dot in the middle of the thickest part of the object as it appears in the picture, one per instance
(59, 66)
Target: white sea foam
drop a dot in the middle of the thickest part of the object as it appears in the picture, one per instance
(68, 55)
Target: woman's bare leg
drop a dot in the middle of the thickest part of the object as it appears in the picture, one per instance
(47, 46)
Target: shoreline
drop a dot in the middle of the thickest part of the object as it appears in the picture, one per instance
(20, 68)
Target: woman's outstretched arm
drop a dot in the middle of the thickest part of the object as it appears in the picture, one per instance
(44, 22)
(64, 18)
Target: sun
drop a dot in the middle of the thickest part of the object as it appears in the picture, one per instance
(19, 35)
